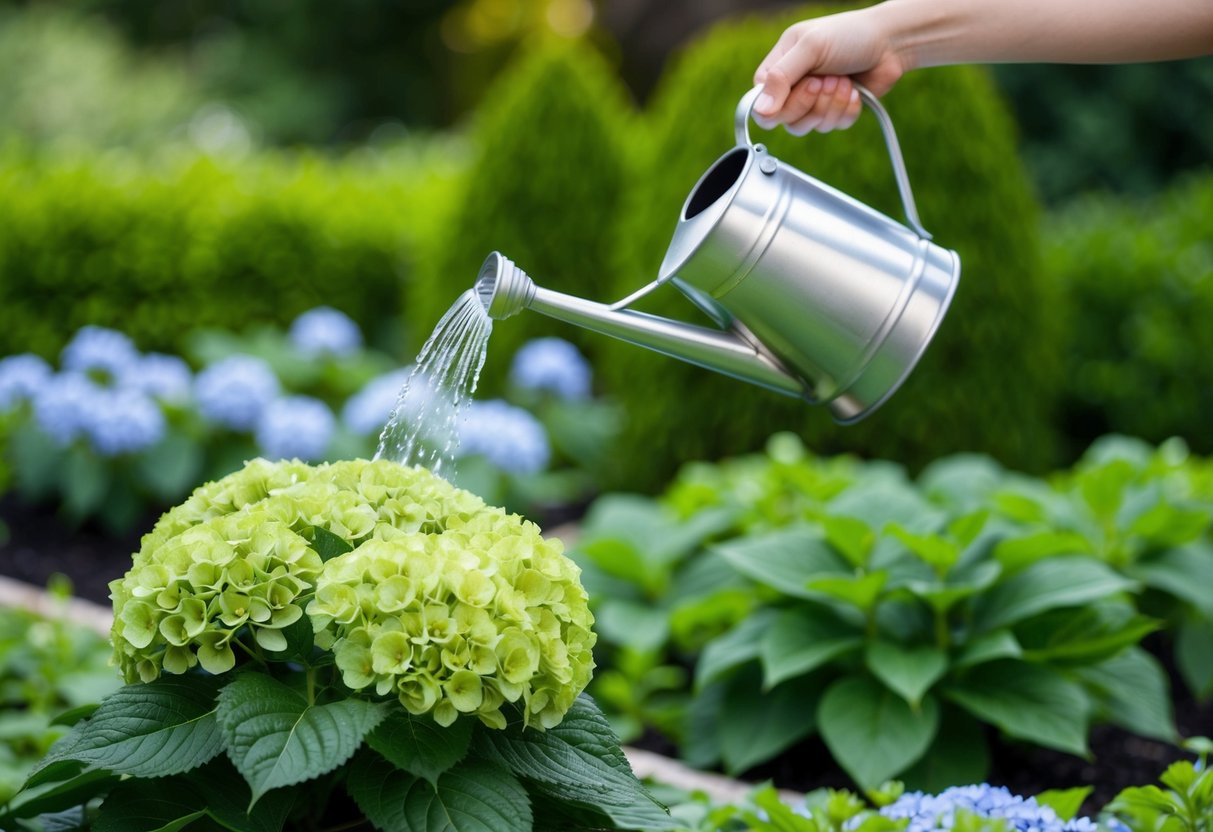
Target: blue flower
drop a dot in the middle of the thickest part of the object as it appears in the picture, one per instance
(551, 365)
(62, 405)
(21, 377)
(325, 331)
(927, 812)
(123, 421)
(367, 411)
(295, 427)
(234, 391)
(163, 377)
(98, 349)
(507, 436)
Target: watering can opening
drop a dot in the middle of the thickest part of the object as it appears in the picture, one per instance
(717, 182)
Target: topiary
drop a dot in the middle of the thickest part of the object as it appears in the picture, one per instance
(972, 194)
(1138, 277)
(545, 189)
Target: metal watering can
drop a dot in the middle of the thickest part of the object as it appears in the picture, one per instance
(816, 295)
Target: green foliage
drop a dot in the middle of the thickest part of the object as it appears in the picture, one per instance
(157, 251)
(46, 666)
(1186, 802)
(1138, 277)
(973, 196)
(894, 618)
(545, 189)
(360, 626)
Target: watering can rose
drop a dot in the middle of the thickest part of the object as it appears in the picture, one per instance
(446, 604)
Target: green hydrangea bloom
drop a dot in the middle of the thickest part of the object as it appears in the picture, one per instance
(447, 604)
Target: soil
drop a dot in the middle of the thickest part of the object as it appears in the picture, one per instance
(40, 545)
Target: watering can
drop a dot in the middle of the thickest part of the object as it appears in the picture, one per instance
(814, 294)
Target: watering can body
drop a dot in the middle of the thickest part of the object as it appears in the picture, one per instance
(815, 294)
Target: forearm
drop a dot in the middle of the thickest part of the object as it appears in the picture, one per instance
(938, 32)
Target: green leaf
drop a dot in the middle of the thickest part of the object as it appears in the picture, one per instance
(738, 646)
(851, 537)
(883, 499)
(958, 754)
(73, 715)
(1018, 552)
(1026, 701)
(578, 761)
(152, 730)
(785, 560)
(935, 551)
(171, 467)
(1046, 585)
(1065, 802)
(1131, 690)
(476, 796)
(1000, 644)
(1185, 572)
(1103, 488)
(871, 731)
(158, 805)
(636, 625)
(907, 671)
(419, 745)
(801, 640)
(860, 591)
(275, 738)
(1166, 524)
(33, 801)
(1083, 636)
(86, 482)
(37, 462)
(226, 797)
(1194, 655)
(329, 545)
(757, 725)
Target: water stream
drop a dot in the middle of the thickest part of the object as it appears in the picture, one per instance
(424, 426)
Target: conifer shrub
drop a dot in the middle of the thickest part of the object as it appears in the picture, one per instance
(1138, 276)
(544, 188)
(157, 250)
(988, 380)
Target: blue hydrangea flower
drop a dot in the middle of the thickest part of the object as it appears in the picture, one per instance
(98, 349)
(551, 365)
(929, 812)
(507, 436)
(234, 391)
(367, 411)
(123, 421)
(62, 405)
(166, 378)
(21, 377)
(325, 331)
(296, 427)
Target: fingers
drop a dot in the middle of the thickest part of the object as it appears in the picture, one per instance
(792, 59)
(822, 104)
(844, 99)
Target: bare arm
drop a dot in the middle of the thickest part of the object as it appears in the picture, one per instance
(808, 73)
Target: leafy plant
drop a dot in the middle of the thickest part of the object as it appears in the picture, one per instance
(1185, 805)
(291, 634)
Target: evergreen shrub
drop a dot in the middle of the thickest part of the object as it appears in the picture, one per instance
(157, 250)
(988, 380)
(545, 189)
(1139, 278)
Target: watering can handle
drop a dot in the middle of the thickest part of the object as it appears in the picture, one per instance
(745, 109)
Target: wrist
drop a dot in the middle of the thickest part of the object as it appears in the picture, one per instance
(919, 34)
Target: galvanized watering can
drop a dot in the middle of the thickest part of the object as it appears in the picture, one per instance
(816, 295)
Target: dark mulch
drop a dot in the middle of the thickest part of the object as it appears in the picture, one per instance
(40, 544)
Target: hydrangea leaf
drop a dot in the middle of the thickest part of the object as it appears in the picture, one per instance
(1027, 701)
(1049, 584)
(420, 746)
(150, 730)
(75, 791)
(148, 806)
(275, 738)
(86, 482)
(756, 725)
(476, 796)
(1194, 655)
(736, 647)
(785, 560)
(329, 545)
(1132, 691)
(871, 731)
(171, 466)
(908, 671)
(801, 640)
(958, 754)
(1185, 572)
(580, 762)
(1065, 802)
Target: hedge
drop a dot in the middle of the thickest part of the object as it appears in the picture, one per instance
(1139, 279)
(988, 382)
(545, 189)
(158, 249)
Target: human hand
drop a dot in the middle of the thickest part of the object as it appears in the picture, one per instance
(808, 76)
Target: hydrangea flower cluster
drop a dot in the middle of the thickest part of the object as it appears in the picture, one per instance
(367, 411)
(444, 603)
(507, 436)
(21, 377)
(234, 391)
(930, 812)
(551, 365)
(325, 331)
(295, 426)
(96, 349)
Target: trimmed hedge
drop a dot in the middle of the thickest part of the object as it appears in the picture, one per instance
(545, 189)
(1139, 278)
(156, 251)
(988, 382)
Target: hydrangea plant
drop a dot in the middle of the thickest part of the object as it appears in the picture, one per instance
(291, 629)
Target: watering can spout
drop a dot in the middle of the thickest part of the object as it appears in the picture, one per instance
(505, 290)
